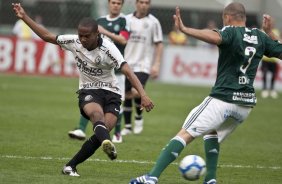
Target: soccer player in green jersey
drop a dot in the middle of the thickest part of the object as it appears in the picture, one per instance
(232, 96)
(114, 28)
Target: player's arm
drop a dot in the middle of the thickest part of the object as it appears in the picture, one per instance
(205, 35)
(267, 26)
(42, 32)
(120, 38)
(155, 70)
(145, 100)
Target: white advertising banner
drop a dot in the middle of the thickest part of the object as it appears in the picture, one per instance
(197, 66)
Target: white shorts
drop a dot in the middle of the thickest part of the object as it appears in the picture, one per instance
(215, 115)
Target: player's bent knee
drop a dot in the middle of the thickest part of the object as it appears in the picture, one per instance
(99, 124)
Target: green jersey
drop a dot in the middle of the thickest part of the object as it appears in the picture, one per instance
(240, 52)
(115, 25)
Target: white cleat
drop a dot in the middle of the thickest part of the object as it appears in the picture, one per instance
(138, 127)
(273, 94)
(117, 138)
(68, 170)
(126, 131)
(77, 134)
(264, 93)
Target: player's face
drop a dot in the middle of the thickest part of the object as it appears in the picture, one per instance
(115, 7)
(87, 37)
(142, 7)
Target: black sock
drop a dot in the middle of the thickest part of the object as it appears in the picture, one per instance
(88, 148)
(127, 110)
(138, 108)
(101, 131)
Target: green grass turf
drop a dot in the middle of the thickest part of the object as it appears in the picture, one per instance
(37, 112)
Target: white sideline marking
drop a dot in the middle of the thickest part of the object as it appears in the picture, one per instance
(134, 162)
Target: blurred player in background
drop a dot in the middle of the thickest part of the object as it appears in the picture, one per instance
(232, 97)
(22, 31)
(99, 93)
(143, 53)
(176, 37)
(269, 65)
(112, 27)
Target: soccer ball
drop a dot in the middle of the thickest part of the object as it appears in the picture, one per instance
(192, 167)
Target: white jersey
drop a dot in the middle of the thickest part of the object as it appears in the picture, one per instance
(96, 67)
(139, 49)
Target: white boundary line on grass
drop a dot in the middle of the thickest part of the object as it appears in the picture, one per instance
(134, 162)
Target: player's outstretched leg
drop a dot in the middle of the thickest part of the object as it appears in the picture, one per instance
(167, 156)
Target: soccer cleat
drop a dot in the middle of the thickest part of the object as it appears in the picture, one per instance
(126, 131)
(110, 149)
(68, 170)
(273, 94)
(212, 181)
(77, 134)
(117, 138)
(145, 179)
(138, 128)
(264, 93)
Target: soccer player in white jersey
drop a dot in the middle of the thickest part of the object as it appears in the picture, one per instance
(99, 92)
(143, 53)
(113, 27)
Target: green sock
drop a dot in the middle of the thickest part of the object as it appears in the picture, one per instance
(212, 153)
(82, 123)
(168, 155)
(118, 125)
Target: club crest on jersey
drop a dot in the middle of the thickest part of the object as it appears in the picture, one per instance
(88, 98)
(98, 60)
(117, 28)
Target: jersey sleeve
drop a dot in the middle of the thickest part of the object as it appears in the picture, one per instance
(157, 32)
(115, 57)
(124, 31)
(272, 48)
(67, 41)
(226, 35)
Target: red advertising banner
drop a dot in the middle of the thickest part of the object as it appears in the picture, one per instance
(35, 57)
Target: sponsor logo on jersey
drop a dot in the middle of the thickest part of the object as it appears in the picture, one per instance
(250, 39)
(78, 41)
(82, 66)
(97, 84)
(112, 57)
(65, 41)
(244, 97)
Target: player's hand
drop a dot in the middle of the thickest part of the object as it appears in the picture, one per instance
(19, 11)
(177, 19)
(267, 23)
(146, 103)
(155, 70)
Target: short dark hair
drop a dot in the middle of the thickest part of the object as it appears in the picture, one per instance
(122, 1)
(237, 10)
(89, 22)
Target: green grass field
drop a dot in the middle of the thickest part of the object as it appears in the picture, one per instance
(36, 113)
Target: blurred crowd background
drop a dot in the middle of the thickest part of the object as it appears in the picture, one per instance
(62, 16)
